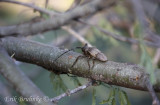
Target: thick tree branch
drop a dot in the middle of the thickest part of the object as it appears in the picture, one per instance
(18, 79)
(113, 73)
(42, 10)
(57, 20)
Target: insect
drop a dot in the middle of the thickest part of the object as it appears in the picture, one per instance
(90, 53)
(93, 52)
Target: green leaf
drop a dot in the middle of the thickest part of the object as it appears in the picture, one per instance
(110, 99)
(103, 101)
(52, 77)
(123, 98)
(126, 97)
(94, 97)
(146, 61)
(119, 97)
(114, 101)
(57, 83)
(21, 102)
(128, 102)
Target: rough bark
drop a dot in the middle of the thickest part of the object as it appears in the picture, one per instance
(113, 73)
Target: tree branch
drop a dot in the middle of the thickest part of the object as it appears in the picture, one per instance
(77, 35)
(68, 93)
(5, 92)
(45, 11)
(126, 39)
(56, 21)
(19, 80)
(113, 73)
(152, 92)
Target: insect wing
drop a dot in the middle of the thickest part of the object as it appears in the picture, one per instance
(100, 56)
(93, 51)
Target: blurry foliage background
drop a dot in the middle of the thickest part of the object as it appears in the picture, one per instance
(115, 50)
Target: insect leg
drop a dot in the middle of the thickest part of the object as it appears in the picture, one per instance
(71, 75)
(77, 60)
(88, 63)
(78, 47)
(93, 63)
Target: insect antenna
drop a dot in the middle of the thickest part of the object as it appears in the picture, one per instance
(67, 52)
(63, 54)
(88, 63)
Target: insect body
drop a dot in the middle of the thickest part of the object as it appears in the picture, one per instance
(93, 52)
(89, 52)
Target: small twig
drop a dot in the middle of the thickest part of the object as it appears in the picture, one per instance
(114, 35)
(147, 33)
(68, 93)
(156, 57)
(75, 34)
(60, 41)
(138, 8)
(46, 3)
(152, 92)
(12, 55)
(119, 37)
(31, 6)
